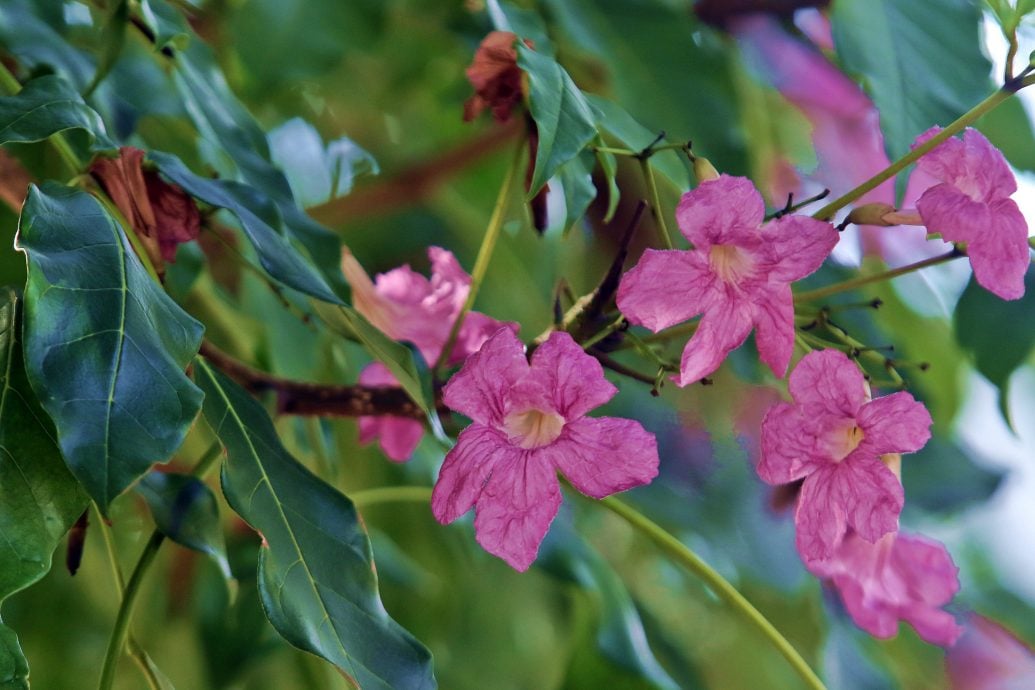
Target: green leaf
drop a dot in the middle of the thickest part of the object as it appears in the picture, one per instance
(105, 347)
(526, 24)
(316, 574)
(45, 106)
(27, 31)
(979, 322)
(396, 356)
(168, 26)
(1009, 129)
(185, 510)
(261, 221)
(615, 121)
(39, 498)
(564, 119)
(14, 670)
(576, 178)
(921, 61)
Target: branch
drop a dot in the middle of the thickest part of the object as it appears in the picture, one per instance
(303, 398)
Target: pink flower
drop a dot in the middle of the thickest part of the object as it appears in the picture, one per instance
(989, 657)
(738, 276)
(406, 306)
(530, 423)
(833, 435)
(899, 578)
(971, 203)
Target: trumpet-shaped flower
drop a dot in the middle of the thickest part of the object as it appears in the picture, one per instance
(833, 435)
(900, 577)
(971, 203)
(989, 657)
(406, 306)
(530, 423)
(738, 276)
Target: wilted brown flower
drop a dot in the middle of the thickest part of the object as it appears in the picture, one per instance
(495, 76)
(162, 214)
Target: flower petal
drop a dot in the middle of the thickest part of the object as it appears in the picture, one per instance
(788, 451)
(987, 167)
(520, 500)
(666, 287)
(931, 580)
(999, 252)
(397, 436)
(774, 327)
(719, 332)
(863, 494)
(601, 456)
(830, 380)
(719, 211)
(896, 423)
(477, 328)
(573, 380)
(479, 450)
(952, 214)
(797, 246)
(480, 389)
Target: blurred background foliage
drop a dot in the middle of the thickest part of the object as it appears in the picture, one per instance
(360, 104)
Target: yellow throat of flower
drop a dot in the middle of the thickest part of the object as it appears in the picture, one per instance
(533, 428)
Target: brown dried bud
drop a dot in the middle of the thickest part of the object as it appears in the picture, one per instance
(495, 76)
(161, 214)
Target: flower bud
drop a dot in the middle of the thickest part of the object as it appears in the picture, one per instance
(871, 214)
(704, 170)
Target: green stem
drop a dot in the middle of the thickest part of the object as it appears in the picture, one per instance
(11, 86)
(129, 591)
(481, 263)
(391, 494)
(967, 118)
(820, 293)
(678, 551)
(604, 332)
(129, 598)
(655, 203)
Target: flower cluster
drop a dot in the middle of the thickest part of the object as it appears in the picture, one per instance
(846, 446)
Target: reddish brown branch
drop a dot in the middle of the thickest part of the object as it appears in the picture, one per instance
(412, 186)
(315, 399)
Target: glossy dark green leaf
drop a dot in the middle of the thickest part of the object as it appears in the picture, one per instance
(316, 574)
(14, 670)
(576, 178)
(256, 213)
(105, 347)
(27, 31)
(39, 498)
(185, 510)
(396, 356)
(228, 127)
(45, 106)
(168, 26)
(900, 51)
(564, 119)
(979, 321)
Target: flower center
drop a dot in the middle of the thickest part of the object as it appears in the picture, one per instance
(533, 428)
(844, 440)
(730, 262)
